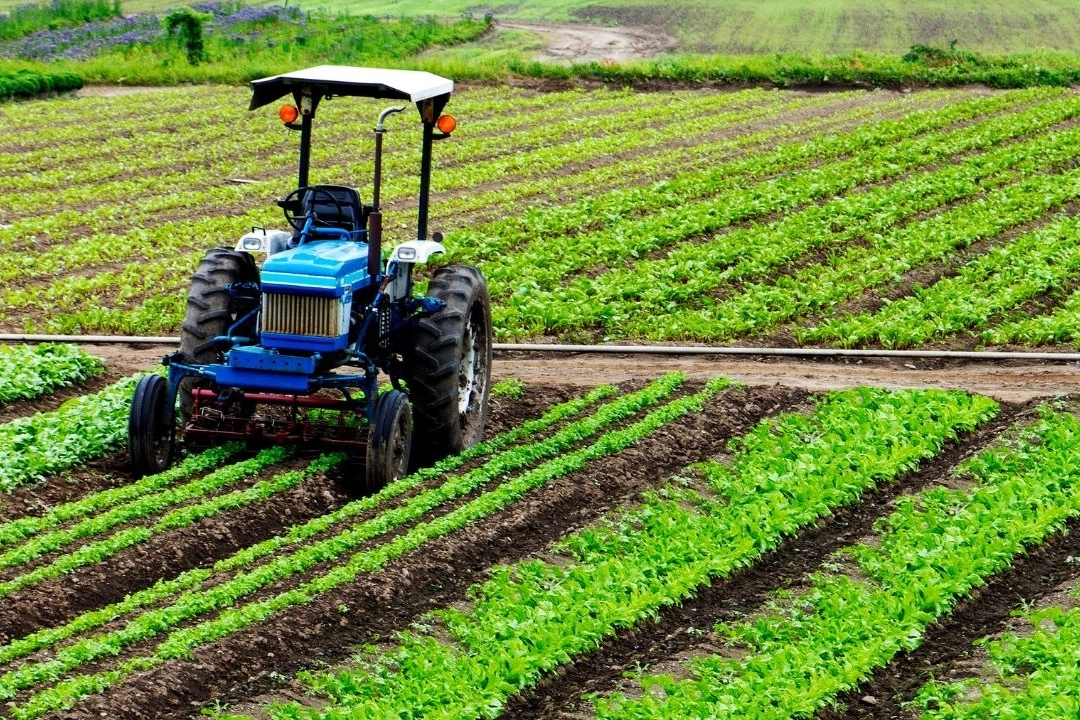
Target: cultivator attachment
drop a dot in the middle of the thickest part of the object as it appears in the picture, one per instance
(258, 419)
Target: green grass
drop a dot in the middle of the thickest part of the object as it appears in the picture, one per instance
(238, 51)
(24, 18)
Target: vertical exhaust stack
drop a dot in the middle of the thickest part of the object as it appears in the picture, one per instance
(374, 266)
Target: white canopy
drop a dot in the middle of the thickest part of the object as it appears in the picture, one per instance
(412, 85)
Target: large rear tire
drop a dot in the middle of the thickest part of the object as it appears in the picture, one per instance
(151, 435)
(448, 371)
(389, 441)
(211, 311)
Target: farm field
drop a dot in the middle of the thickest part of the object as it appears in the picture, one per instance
(718, 545)
(848, 219)
(651, 541)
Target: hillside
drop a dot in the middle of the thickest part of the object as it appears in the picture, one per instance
(778, 26)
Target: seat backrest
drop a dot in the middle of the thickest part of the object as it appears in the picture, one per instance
(347, 213)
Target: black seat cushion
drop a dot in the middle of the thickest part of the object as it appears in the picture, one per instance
(347, 213)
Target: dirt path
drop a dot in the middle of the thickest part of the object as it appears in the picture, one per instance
(1013, 381)
(583, 43)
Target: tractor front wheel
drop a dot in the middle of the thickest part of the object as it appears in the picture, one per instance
(151, 428)
(211, 311)
(448, 371)
(389, 440)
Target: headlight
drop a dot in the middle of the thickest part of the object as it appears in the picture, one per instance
(252, 243)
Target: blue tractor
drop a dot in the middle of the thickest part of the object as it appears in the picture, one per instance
(292, 352)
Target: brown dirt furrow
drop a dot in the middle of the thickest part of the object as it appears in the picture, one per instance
(248, 663)
(678, 631)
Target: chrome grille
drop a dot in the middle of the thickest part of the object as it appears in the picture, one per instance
(301, 315)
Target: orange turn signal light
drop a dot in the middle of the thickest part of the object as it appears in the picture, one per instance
(446, 124)
(288, 114)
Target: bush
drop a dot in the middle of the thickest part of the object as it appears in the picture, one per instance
(30, 83)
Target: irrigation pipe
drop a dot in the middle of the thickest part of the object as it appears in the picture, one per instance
(633, 349)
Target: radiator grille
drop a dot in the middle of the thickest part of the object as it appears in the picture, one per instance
(301, 315)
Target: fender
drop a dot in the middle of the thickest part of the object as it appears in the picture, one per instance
(416, 251)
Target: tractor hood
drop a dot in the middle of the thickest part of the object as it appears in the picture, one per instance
(328, 268)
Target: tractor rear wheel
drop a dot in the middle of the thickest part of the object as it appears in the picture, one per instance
(211, 311)
(448, 371)
(389, 440)
(151, 427)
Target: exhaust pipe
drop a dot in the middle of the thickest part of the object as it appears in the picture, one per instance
(374, 258)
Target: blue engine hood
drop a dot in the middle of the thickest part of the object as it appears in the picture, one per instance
(323, 267)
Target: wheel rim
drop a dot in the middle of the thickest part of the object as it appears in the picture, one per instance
(399, 445)
(467, 371)
(162, 447)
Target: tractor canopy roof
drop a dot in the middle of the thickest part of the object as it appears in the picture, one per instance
(327, 80)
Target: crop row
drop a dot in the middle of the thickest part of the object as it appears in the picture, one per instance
(534, 616)
(175, 238)
(534, 149)
(174, 246)
(885, 258)
(159, 501)
(542, 118)
(670, 200)
(1001, 279)
(1039, 676)
(1060, 325)
(933, 551)
(82, 428)
(167, 589)
(689, 271)
(187, 505)
(22, 528)
(197, 178)
(119, 234)
(623, 205)
(27, 371)
(343, 553)
(543, 264)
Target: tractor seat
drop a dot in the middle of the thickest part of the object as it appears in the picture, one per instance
(347, 214)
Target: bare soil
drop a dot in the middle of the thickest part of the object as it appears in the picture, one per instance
(568, 42)
(1012, 381)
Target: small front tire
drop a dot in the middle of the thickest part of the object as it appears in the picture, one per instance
(151, 429)
(389, 440)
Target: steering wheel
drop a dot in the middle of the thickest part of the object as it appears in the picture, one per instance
(293, 203)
